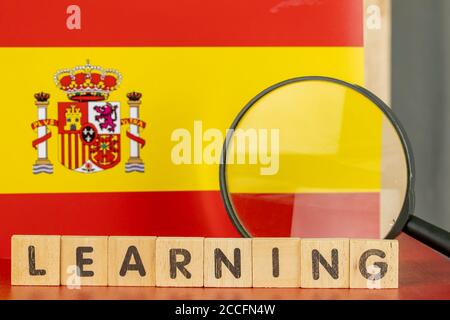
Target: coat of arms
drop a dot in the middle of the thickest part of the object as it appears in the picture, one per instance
(88, 125)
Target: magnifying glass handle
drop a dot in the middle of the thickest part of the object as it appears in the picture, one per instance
(425, 232)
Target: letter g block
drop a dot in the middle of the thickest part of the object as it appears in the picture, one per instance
(374, 264)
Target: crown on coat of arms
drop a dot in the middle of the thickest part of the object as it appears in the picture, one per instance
(88, 82)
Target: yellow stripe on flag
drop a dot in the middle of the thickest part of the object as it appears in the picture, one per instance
(179, 86)
(329, 142)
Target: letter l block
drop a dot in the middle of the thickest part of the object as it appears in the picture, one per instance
(35, 260)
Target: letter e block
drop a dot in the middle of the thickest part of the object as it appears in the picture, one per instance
(131, 261)
(84, 261)
(276, 262)
(374, 264)
(179, 262)
(325, 263)
(35, 260)
(228, 262)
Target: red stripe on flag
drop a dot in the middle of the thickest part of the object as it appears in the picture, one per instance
(310, 215)
(183, 23)
(187, 213)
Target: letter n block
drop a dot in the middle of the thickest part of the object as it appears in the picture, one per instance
(84, 261)
(179, 262)
(35, 260)
(131, 261)
(325, 263)
(228, 262)
(374, 264)
(276, 262)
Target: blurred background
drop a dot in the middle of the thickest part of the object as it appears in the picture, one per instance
(421, 98)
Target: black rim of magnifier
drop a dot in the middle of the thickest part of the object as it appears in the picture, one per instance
(408, 204)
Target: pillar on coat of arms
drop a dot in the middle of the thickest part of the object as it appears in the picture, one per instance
(42, 164)
(134, 163)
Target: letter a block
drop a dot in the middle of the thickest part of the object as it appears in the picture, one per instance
(374, 264)
(228, 262)
(131, 261)
(276, 263)
(179, 262)
(84, 261)
(325, 263)
(35, 260)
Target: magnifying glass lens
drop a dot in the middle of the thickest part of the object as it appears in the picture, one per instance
(315, 158)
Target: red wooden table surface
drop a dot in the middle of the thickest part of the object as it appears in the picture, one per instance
(424, 274)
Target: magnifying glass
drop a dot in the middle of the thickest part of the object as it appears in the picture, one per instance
(317, 157)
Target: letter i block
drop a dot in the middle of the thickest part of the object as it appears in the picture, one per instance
(35, 260)
(179, 262)
(276, 262)
(84, 261)
(131, 261)
(325, 263)
(228, 262)
(374, 264)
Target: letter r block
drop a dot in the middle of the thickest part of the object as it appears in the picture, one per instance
(374, 264)
(131, 261)
(228, 262)
(84, 261)
(179, 262)
(325, 263)
(35, 260)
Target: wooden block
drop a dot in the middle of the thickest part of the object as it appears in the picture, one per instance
(35, 260)
(325, 263)
(179, 262)
(276, 262)
(84, 261)
(228, 262)
(131, 261)
(374, 264)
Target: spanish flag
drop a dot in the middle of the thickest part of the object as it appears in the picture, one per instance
(102, 165)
